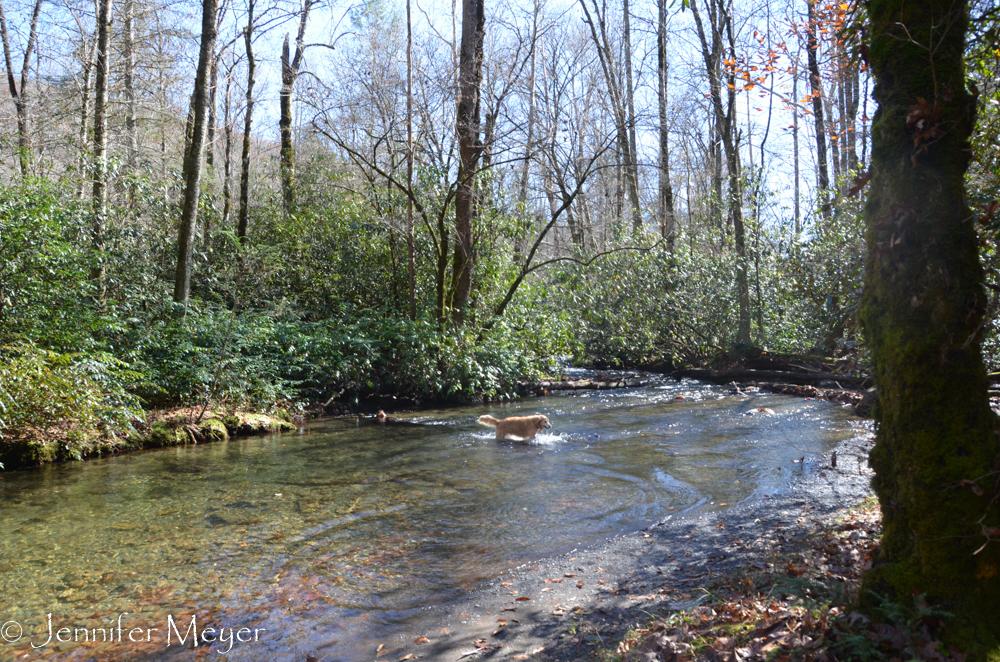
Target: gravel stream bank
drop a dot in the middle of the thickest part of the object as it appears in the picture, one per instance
(544, 610)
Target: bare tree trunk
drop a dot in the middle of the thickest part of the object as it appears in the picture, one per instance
(212, 117)
(243, 225)
(667, 220)
(716, 152)
(128, 48)
(816, 87)
(410, 239)
(864, 122)
(289, 74)
(599, 33)
(851, 130)
(526, 165)
(469, 149)
(227, 177)
(84, 139)
(100, 164)
(21, 97)
(831, 129)
(720, 21)
(633, 173)
(193, 157)
(842, 83)
(522, 194)
(210, 140)
(795, 142)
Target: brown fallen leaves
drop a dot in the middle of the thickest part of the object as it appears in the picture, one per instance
(761, 615)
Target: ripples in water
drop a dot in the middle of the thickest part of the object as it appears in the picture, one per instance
(336, 536)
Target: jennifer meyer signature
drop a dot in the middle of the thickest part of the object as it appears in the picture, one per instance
(173, 632)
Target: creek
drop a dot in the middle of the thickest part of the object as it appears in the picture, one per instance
(336, 538)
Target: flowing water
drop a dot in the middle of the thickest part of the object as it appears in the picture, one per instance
(336, 537)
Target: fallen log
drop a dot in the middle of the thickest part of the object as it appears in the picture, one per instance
(840, 396)
(590, 384)
(743, 375)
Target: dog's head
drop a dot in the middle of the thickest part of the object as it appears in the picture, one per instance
(542, 422)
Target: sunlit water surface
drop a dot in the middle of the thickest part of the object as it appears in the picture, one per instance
(336, 537)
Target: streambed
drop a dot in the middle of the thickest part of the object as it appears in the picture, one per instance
(339, 536)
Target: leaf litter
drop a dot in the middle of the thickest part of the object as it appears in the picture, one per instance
(795, 607)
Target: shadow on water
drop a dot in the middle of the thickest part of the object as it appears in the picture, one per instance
(339, 535)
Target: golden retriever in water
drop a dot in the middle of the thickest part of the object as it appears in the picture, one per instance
(521, 427)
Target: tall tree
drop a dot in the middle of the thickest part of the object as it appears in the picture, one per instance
(795, 144)
(816, 88)
(629, 172)
(243, 222)
(411, 260)
(289, 74)
(937, 449)
(529, 143)
(128, 57)
(633, 173)
(720, 22)
(666, 197)
(20, 95)
(195, 152)
(227, 152)
(100, 164)
(469, 151)
(89, 62)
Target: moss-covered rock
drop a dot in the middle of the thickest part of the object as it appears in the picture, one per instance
(26, 453)
(175, 431)
(249, 424)
(162, 435)
(213, 429)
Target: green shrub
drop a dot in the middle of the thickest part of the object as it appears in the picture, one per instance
(64, 403)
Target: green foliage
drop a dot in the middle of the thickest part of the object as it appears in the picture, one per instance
(43, 271)
(820, 280)
(638, 308)
(64, 397)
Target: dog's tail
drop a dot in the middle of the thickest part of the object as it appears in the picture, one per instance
(488, 420)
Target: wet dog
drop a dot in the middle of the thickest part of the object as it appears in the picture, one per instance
(383, 418)
(519, 427)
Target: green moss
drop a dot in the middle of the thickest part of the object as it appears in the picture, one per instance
(24, 453)
(921, 311)
(162, 435)
(82, 444)
(213, 429)
(247, 424)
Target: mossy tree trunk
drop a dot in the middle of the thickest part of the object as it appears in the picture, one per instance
(936, 449)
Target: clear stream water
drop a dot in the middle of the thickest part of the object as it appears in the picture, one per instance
(337, 536)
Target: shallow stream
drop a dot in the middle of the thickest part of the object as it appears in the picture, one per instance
(334, 539)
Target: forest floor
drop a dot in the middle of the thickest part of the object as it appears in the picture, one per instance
(772, 579)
